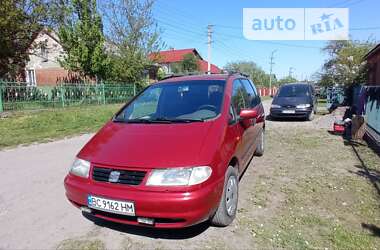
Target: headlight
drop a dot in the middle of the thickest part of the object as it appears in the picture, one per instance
(179, 176)
(80, 168)
(275, 106)
(303, 106)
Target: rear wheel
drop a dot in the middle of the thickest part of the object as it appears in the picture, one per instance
(260, 147)
(226, 211)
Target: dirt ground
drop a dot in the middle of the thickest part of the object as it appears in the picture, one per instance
(311, 189)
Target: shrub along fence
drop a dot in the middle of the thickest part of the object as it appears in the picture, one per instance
(20, 96)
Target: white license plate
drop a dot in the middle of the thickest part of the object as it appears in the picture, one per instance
(112, 206)
(289, 111)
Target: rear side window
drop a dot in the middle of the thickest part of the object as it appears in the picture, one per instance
(251, 97)
(237, 99)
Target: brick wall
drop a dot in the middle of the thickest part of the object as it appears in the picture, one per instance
(54, 76)
(374, 69)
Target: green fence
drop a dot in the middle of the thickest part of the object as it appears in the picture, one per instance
(20, 96)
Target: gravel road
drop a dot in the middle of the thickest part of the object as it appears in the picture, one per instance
(34, 212)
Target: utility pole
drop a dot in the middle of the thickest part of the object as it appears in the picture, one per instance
(209, 41)
(270, 71)
(291, 71)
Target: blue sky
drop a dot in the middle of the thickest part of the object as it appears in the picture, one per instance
(184, 26)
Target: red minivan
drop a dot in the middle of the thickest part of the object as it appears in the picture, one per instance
(173, 155)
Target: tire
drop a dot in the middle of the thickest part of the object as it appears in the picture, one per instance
(227, 208)
(310, 117)
(260, 147)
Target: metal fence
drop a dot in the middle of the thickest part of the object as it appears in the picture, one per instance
(20, 96)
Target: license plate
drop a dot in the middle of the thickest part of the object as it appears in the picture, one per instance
(112, 206)
(288, 111)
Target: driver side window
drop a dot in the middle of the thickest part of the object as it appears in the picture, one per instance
(145, 106)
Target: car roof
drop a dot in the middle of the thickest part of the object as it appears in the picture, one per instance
(194, 78)
(296, 84)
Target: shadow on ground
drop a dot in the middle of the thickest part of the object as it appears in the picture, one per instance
(156, 233)
(373, 175)
(374, 229)
(285, 119)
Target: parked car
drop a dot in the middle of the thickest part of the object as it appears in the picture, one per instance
(295, 100)
(173, 155)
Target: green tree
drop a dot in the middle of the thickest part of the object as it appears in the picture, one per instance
(190, 63)
(287, 79)
(133, 34)
(81, 36)
(345, 65)
(20, 22)
(258, 75)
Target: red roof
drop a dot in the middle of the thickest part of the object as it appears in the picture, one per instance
(170, 56)
(203, 67)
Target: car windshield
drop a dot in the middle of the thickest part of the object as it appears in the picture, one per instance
(294, 91)
(187, 101)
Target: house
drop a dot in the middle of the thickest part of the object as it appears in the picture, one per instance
(43, 67)
(372, 94)
(166, 59)
(373, 61)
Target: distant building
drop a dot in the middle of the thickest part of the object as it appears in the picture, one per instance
(167, 58)
(373, 61)
(43, 67)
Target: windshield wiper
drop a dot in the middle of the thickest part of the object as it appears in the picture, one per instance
(176, 120)
(158, 120)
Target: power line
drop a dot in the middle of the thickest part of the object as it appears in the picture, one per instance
(231, 51)
(175, 17)
(178, 28)
(270, 42)
(353, 3)
(339, 3)
(366, 28)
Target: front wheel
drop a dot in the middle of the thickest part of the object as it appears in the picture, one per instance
(227, 208)
(310, 117)
(260, 147)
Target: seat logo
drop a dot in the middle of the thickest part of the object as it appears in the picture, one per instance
(114, 176)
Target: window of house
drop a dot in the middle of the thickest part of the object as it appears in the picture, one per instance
(44, 50)
(31, 77)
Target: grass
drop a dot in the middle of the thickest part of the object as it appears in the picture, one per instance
(317, 194)
(264, 98)
(81, 245)
(41, 126)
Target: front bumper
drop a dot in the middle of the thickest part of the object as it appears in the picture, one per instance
(168, 209)
(298, 113)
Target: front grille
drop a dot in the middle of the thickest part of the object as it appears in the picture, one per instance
(128, 177)
(289, 106)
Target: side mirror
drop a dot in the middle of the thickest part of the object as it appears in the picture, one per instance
(246, 114)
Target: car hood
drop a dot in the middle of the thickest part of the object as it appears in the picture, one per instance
(291, 101)
(147, 145)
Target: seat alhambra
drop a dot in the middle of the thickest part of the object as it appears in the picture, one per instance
(295, 100)
(173, 155)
